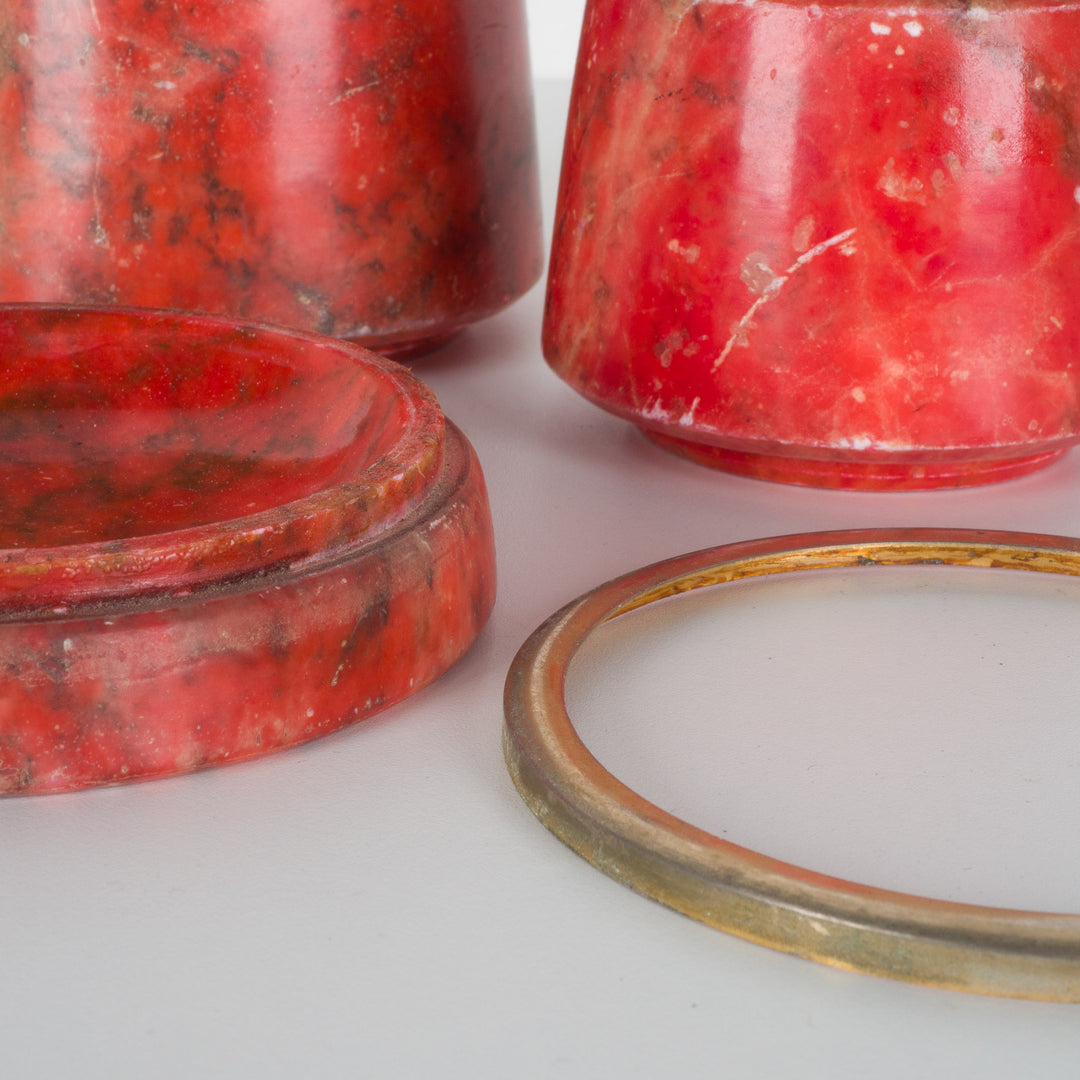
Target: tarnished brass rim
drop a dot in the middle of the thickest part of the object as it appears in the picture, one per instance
(959, 946)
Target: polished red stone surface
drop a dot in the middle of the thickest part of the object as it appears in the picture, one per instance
(217, 541)
(830, 243)
(363, 168)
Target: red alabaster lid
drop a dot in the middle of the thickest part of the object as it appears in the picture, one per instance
(147, 453)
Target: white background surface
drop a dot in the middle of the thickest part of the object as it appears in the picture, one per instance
(381, 903)
(554, 28)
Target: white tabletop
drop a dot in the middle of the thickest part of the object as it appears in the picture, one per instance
(381, 903)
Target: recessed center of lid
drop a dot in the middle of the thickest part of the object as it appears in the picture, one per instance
(105, 436)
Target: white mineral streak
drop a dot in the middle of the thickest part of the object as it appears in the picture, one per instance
(354, 90)
(656, 412)
(690, 252)
(902, 188)
(775, 285)
(687, 418)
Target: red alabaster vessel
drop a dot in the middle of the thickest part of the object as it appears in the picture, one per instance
(217, 540)
(363, 168)
(832, 243)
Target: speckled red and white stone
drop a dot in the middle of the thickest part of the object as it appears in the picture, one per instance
(218, 541)
(831, 243)
(364, 168)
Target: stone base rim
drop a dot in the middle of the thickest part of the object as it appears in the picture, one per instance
(408, 348)
(849, 475)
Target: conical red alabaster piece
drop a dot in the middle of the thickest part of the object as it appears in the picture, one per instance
(217, 540)
(362, 168)
(826, 243)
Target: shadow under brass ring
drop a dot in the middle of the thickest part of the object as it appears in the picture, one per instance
(987, 950)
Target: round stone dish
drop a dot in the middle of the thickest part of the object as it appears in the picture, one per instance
(217, 540)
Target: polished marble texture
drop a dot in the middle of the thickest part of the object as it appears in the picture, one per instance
(833, 244)
(362, 168)
(218, 540)
(314, 909)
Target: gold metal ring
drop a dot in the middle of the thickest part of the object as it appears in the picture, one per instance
(959, 946)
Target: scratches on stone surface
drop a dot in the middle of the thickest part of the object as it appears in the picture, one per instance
(820, 249)
(776, 284)
(1051, 253)
(100, 233)
(354, 90)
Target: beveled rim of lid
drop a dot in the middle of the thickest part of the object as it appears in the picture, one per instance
(294, 536)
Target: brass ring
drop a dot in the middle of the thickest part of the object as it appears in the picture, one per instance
(959, 946)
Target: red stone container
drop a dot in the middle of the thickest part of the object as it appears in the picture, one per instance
(362, 168)
(829, 243)
(217, 540)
